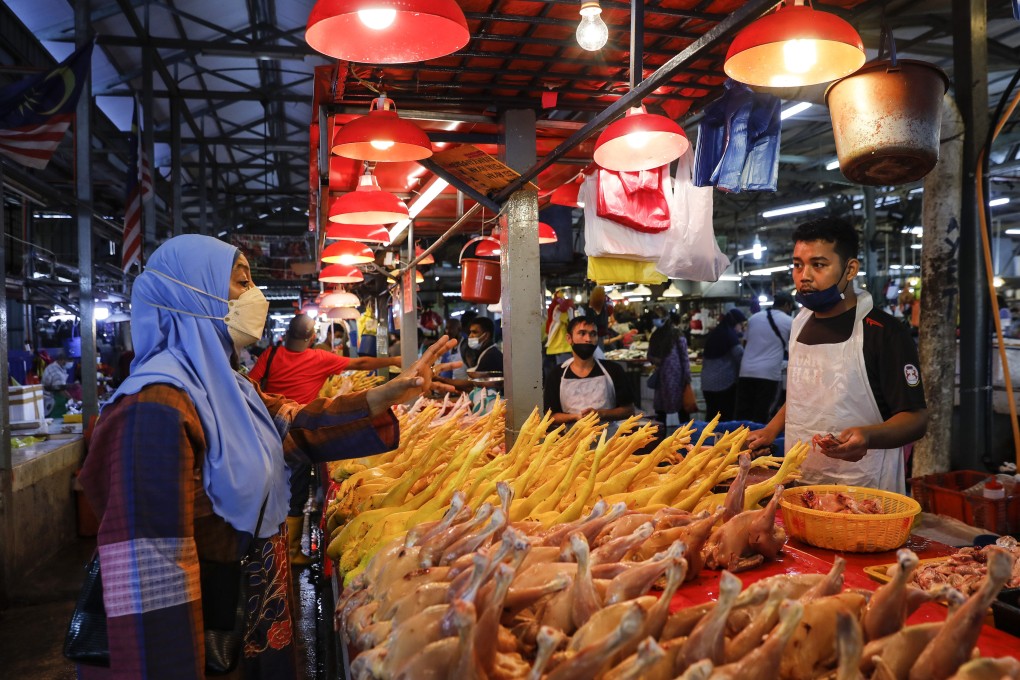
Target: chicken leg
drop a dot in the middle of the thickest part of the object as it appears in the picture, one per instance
(762, 662)
(887, 610)
(707, 641)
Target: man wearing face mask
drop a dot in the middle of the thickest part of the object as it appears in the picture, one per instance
(488, 358)
(852, 373)
(584, 384)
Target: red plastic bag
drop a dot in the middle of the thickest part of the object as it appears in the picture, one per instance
(635, 199)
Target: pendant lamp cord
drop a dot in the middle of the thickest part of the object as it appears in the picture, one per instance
(637, 42)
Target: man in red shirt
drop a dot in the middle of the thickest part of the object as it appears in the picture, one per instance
(297, 371)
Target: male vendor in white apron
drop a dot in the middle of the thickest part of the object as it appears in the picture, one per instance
(488, 358)
(853, 371)
(583, 384)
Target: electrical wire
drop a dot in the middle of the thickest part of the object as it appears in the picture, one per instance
(989, 269)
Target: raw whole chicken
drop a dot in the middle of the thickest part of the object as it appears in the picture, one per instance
(840, 502)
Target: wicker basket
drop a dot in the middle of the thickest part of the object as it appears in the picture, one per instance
(846, 532)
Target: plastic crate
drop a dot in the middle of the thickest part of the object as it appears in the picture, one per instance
(942, 494)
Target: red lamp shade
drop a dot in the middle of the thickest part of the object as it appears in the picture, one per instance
(364, 233)
(640, 141)
(347, 253)
(381, 136)
(488, 247)
(546, 234)
(428, 259)
(343, 313)
(340, 273)
(566, 194)
(386, 31)
(368, 204)
(339, 299)
(794, 46)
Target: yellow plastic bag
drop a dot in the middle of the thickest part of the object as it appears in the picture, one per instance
(603, 270)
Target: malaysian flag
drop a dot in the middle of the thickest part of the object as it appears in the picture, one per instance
(139, 190)
(36, 112)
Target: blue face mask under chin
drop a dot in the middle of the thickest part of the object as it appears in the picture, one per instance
(824, 300)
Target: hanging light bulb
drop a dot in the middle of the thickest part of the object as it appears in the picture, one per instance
(381, 135)
(756, 249)
(368, 204)
(794, 46)
(377, 19)
(592, 32)
(347, 253)
(640, 141)
(399, 31)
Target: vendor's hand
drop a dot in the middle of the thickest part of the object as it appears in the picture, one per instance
(418, 378)
(854, 444)
(759, 439)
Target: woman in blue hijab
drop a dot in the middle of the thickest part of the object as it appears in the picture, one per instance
(187, 469)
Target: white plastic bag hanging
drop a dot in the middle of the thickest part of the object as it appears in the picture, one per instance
(606, 238)
(691, 251)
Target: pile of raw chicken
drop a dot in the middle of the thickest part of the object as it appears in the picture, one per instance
(966, 568)
(840, 502)
(473, 596)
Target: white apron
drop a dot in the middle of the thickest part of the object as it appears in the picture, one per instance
(578, 394)
(828, 391)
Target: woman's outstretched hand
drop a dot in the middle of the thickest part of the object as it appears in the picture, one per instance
(417, 379)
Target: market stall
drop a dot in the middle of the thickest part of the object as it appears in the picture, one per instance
(576, 581)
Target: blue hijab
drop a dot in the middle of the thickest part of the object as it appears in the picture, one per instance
(175, 344)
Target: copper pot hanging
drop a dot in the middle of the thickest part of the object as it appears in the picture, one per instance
(886, 119)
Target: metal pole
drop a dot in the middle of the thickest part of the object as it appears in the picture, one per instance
(521, 281)
(637, 41)
(870, 259)
(148, 147)
(177, 178)
(83, 191)
(409, 313)
(6, 455)
(970, 64)
(696, 50)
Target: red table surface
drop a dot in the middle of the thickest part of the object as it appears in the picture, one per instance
(800, 558)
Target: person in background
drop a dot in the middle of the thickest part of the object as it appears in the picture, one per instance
(54, 377)
(453, 330)
(187, 465)
(853, 370)
(599, 311)
(488, 357)
(667, 351)
(469, 356)
(720, 366)
(760, 388)
(298, 372)
(583, 384)
(336, 339)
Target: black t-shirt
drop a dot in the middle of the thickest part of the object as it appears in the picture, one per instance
(890, 356)
(621, 384)
(489, 359)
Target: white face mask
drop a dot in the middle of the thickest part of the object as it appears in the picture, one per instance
(474, 343)
(247, 317)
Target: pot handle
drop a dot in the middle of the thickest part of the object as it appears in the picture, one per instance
(887, 38)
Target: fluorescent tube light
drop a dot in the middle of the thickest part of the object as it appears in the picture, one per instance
(768, 271)
(791, 209)
(832, 165)
(750, 251)
(1013, 232)
(799, 107)
(730, 277)
(998, 201)
(428, 194)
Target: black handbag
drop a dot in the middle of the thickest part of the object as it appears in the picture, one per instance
(224, 590)
(86, 640)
